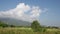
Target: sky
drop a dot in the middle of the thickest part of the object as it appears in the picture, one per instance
(46, 11)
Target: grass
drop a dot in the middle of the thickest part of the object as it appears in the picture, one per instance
(22, 30)
(55, 30)
(16, 31)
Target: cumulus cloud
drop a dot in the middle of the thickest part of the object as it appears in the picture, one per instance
(23, 12)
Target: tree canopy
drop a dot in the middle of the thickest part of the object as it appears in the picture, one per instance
(35, 25)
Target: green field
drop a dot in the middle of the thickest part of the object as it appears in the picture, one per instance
(22, 30)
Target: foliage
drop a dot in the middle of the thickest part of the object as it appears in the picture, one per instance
(18, 30)
(2, 24)
(35, 26)
(53, 27)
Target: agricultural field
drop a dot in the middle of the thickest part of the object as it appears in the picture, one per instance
(22, 30)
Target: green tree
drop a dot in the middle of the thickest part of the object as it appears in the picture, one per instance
(2, 24)
(35, 25)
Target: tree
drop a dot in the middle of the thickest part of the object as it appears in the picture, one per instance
(12, 26)
(35, 26)
(2, 24)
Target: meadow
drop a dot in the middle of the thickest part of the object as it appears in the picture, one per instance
(23, 30)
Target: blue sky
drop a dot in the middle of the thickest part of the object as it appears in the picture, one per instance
(50, 17)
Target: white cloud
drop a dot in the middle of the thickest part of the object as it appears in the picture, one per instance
(35, 11)
(22, 12)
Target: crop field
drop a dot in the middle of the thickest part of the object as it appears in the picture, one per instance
(18, 30)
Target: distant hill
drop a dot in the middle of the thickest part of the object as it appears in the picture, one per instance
(16, 22)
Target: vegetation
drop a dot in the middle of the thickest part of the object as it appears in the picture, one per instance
(35, 28)
(22, 30)
(17, 30)
(2, 24)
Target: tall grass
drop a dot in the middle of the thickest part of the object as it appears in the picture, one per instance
(16, 30)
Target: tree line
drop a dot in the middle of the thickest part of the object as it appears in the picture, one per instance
(2, 24)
